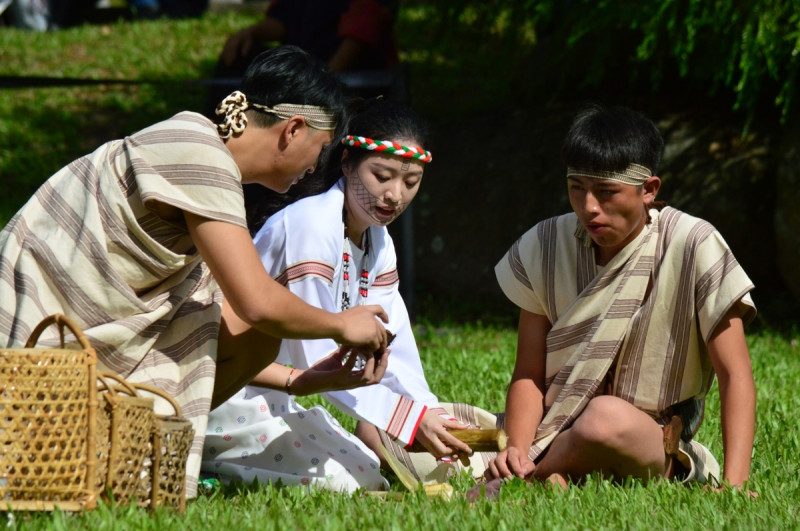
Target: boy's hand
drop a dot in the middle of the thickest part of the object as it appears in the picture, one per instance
(509, 463)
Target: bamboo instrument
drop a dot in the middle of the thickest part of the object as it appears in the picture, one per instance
(478, 440)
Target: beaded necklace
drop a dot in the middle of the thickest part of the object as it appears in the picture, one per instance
(363, 281)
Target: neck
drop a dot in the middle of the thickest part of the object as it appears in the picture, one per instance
(355, 231)
(247, 150)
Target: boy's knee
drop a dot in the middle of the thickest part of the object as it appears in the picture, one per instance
(603, 422)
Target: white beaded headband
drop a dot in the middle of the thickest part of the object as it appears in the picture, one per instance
(234, 120)
(633, 174)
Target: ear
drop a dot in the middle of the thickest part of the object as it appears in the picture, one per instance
(293, 128)
(345, 163)
(651, 187)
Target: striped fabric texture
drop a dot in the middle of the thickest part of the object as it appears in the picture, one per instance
(306, 269)
(386, 279)
(645, 316)
(92, 244)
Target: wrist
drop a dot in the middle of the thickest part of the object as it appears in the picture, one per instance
(302, 383)
(339, 324)
(521, 447)
(289, 381)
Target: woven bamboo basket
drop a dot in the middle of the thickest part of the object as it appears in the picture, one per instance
(165, 484)
(48, 403)
(125, 423)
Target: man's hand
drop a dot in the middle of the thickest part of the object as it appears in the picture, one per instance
(362, 328)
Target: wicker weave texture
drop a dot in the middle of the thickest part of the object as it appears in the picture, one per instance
(125, 426)
(171, 445)
(165, 485)
(47, 409)
(59, 448)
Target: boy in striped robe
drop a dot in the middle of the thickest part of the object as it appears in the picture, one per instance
(628, 309)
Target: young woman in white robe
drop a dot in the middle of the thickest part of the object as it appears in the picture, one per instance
(333, 250)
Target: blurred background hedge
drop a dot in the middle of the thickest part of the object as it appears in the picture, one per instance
(746, 50)
(499, 81)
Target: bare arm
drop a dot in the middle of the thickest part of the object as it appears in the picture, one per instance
(266, 305)
(525, 397)
(731, 360)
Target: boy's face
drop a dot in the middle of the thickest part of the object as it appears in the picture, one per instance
(612, 212)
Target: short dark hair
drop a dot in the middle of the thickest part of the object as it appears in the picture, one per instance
(289, 74)
(609, 139)
(376, 118)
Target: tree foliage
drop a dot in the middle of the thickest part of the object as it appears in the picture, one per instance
(748, 48)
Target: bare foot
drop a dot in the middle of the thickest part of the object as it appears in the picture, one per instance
(556, 481)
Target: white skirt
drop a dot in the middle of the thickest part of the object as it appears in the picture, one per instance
(264, 435)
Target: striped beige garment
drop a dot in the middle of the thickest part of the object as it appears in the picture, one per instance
(91, 244)
(647, 313)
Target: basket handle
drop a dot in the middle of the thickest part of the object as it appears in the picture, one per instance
(113, 389)
(61, 320)
(158, 392)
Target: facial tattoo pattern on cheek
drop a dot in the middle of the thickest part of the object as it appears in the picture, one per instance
(369, 202)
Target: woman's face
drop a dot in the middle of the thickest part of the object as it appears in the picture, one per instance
(381, 186)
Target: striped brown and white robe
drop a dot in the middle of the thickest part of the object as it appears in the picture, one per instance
(642, 320)
(90, 244)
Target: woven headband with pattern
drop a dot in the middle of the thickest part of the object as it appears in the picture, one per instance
(234, 105)
(633, 174)
(388, 147)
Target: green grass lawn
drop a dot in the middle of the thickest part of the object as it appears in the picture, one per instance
(43, 129)
(472, 364)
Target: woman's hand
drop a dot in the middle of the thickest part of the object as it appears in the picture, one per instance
(509, 463)
(432, 434)
(337, 372)
(362, 328)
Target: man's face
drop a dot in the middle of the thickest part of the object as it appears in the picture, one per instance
(279, 156)
(612, 212)
(305, 155)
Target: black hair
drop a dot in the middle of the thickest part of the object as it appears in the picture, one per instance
(381, 119)
(376, 118)
(609, 139)
(289, 74)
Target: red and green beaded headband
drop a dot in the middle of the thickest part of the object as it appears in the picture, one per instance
(388, 147)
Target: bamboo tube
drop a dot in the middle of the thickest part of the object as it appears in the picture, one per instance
(478, 440)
